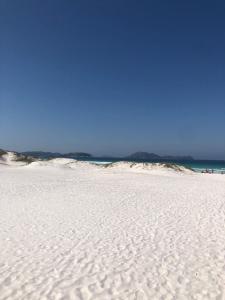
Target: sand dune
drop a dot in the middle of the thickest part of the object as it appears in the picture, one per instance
(72, 230)
(10, 159)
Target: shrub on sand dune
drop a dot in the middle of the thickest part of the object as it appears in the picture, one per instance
(2, 152)
(24, 158)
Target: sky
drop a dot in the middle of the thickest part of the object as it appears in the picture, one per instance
(113, 77)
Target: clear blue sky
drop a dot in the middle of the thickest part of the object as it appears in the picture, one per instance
(113, 77)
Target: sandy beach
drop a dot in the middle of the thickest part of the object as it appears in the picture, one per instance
(72, 230)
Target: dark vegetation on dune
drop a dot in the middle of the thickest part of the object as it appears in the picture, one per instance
(19, 157)
(175, 167)
(2, 152)
(165, 165)
(24, 158)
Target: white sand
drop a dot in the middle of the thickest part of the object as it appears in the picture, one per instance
(73, 230)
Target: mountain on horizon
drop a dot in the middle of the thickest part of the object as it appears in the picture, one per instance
(77, 155)
(47, 155)
(83, 155)
(152, 156)
(143, 155)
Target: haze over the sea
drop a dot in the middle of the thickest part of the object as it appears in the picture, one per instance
(113, 77)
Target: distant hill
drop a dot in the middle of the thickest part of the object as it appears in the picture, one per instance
(48, 155)
(83, 155)
(77, 155)
(42, 154)
(143, 155)
(153, 156)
